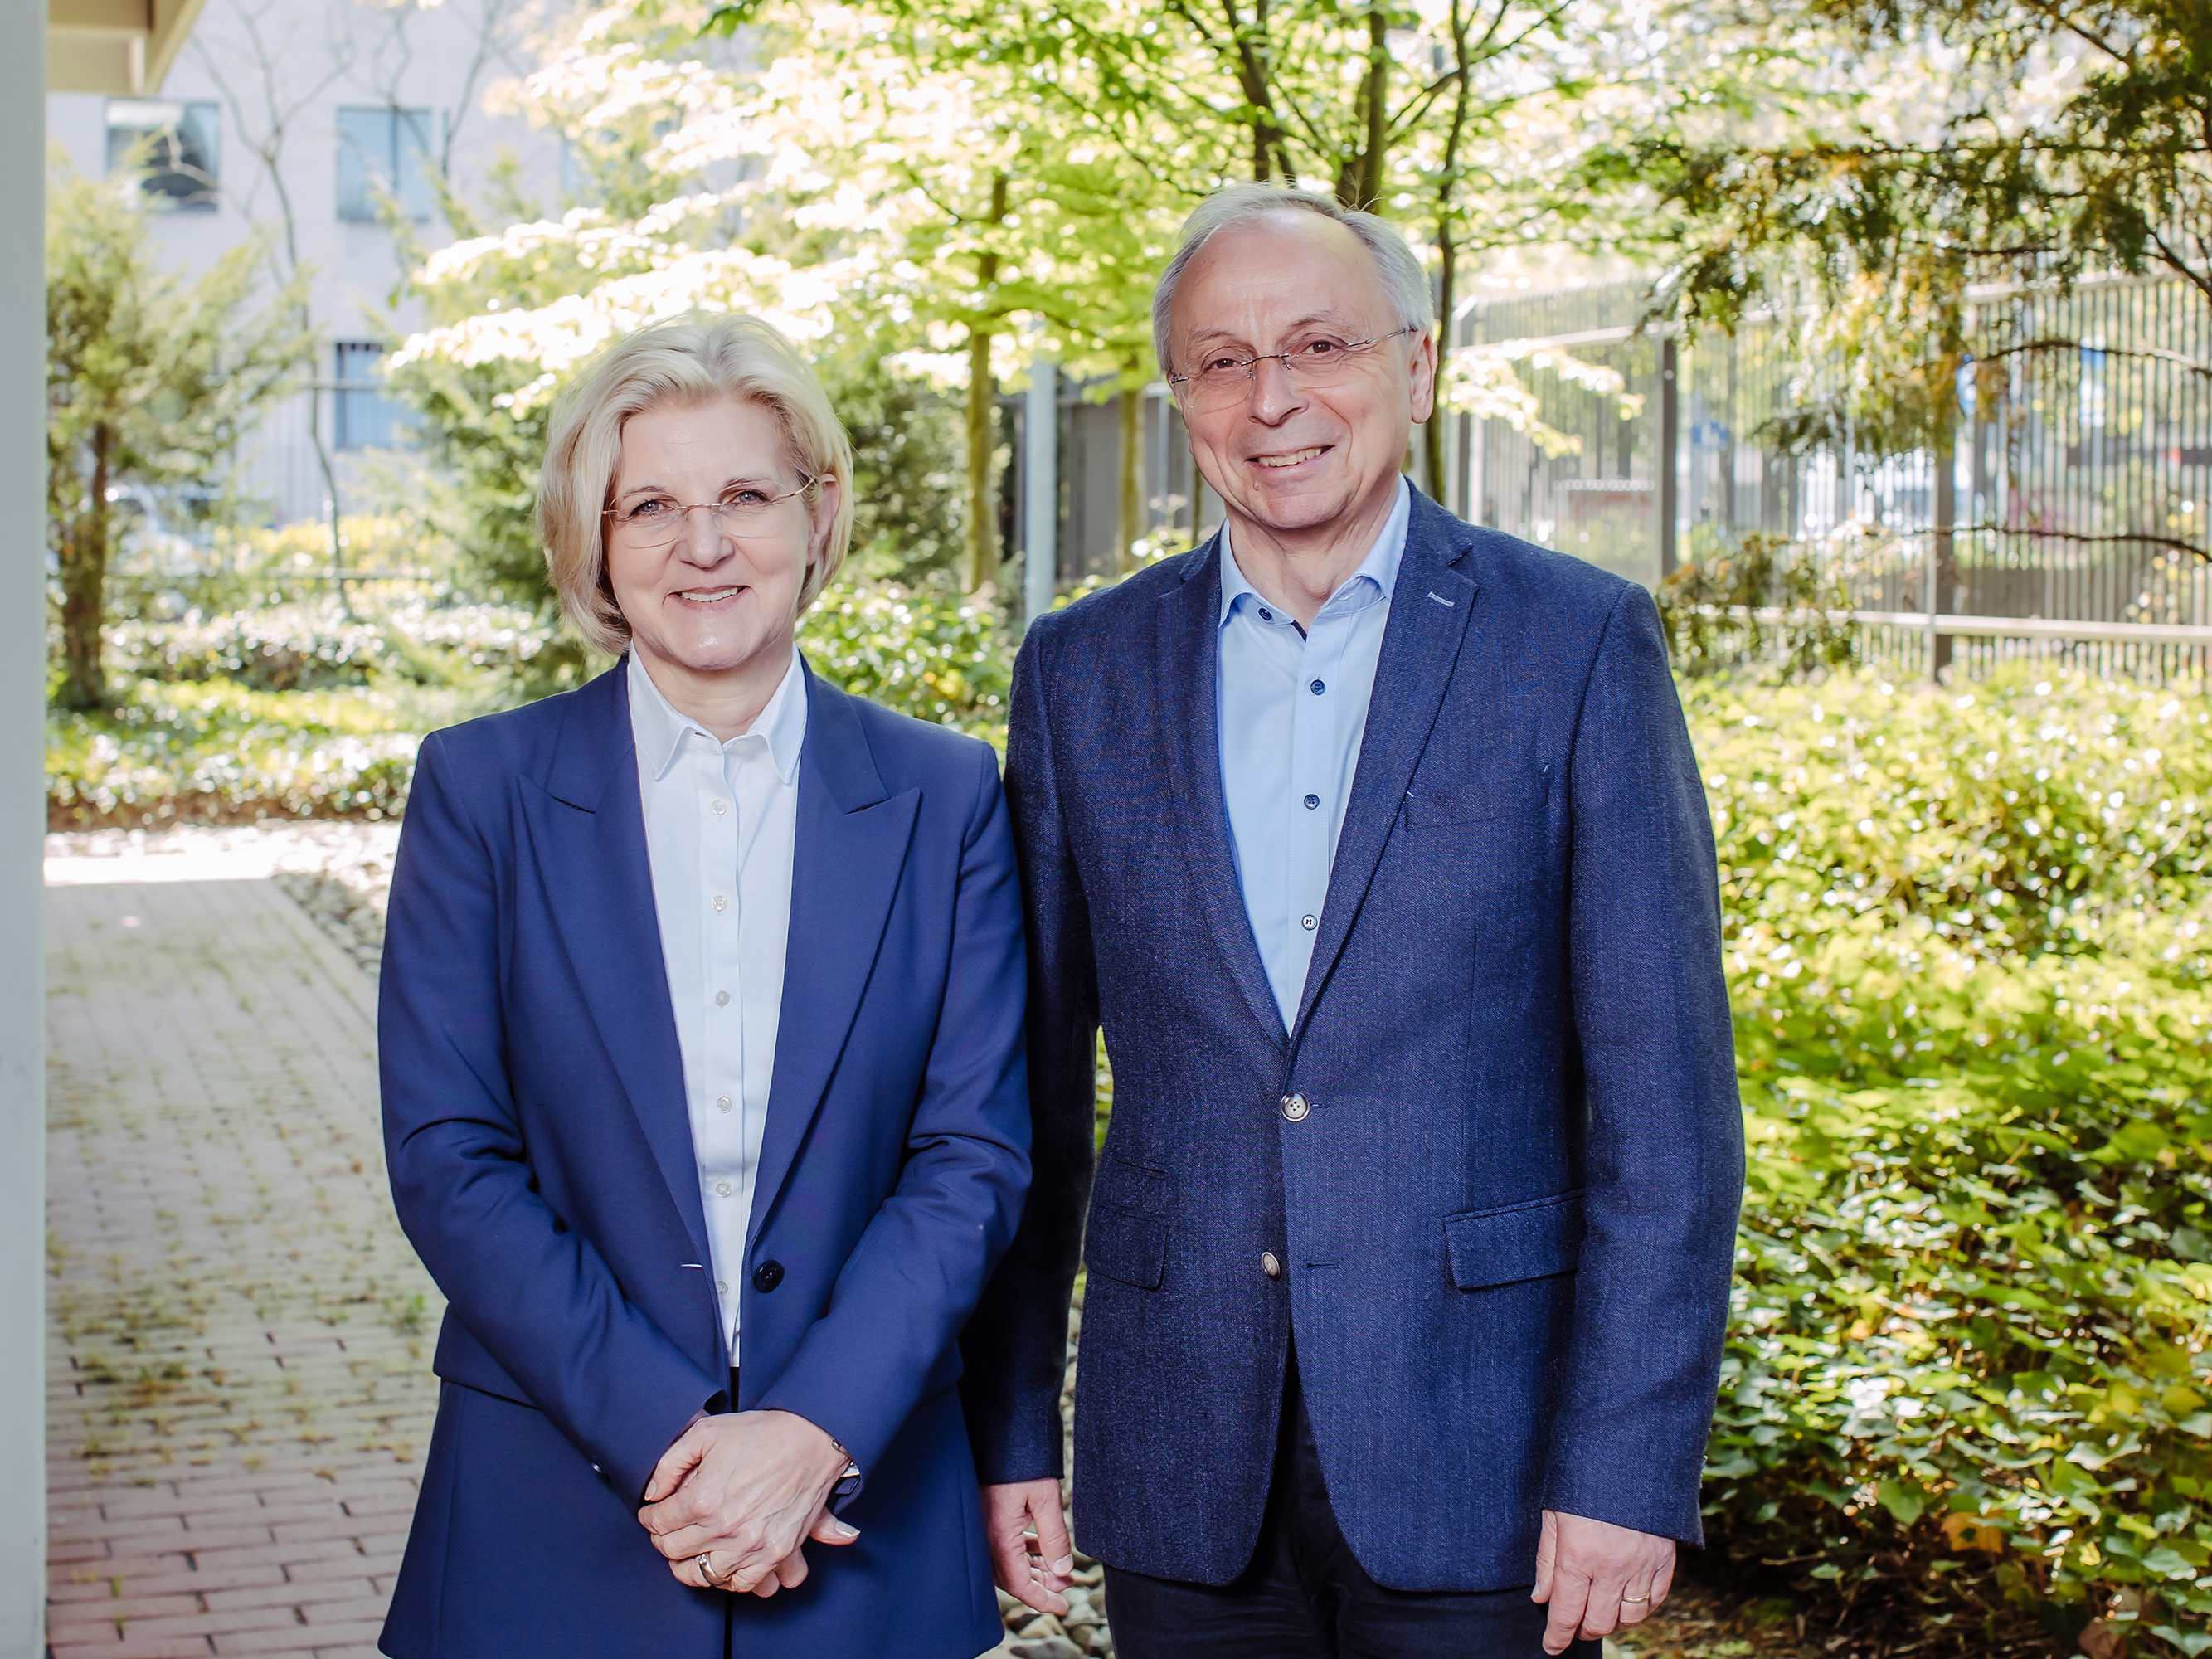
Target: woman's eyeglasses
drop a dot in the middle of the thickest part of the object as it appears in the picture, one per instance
(654, 521)
(1224, 379)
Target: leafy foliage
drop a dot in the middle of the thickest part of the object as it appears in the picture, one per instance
(149, 382)
(1966, 942)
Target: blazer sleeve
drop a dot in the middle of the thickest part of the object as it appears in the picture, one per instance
(912, 1280)
(1015, 1348)
(542, 1301)
(1663, 1153)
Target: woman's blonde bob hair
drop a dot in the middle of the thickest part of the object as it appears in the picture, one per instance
(691, 360)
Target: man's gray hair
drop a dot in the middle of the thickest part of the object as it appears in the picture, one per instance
(1405, 283)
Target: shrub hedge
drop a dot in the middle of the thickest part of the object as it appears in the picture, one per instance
(1966, 940)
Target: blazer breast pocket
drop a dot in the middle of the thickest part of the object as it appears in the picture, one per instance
(1444, 809)
(1125, 1245)
(1515, 1243)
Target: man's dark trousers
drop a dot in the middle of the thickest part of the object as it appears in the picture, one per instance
(1305, 1595)
(1487, 1173)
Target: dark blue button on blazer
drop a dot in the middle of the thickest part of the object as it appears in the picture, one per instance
(1506, 1214)
(541, 1159)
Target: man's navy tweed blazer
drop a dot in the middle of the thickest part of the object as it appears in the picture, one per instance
(1506, 1212)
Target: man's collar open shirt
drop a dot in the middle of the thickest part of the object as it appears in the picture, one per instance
(1292, 711)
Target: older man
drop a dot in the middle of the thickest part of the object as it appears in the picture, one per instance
(1376, 844)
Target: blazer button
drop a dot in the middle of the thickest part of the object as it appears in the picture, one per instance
(1295, 1107)
(1269, 1266)
(768, 1275)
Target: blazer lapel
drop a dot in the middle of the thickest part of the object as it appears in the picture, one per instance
(589, 829)
(1429, 610)
(1187, 676)
(851, 851)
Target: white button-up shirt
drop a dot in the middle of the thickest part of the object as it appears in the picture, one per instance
(1293, 709)
(719, 823)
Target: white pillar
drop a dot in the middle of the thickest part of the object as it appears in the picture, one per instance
(1041, 489)
(22, 824)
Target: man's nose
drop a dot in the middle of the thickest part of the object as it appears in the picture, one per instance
(1275, 395)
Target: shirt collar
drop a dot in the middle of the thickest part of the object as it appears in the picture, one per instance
(1380, 566)
(658, 729)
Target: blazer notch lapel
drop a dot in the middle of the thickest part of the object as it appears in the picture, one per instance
(1186, 672)
(1430, 610)
(848, 859)
(600, 882)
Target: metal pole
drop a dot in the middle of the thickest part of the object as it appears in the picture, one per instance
(22, 827)
(1041, 489)
(1943, 568)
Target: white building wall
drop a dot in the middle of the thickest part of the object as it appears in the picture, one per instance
(280, 73)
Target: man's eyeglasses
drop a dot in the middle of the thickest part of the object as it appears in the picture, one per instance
(654, 521)
(1223, 378)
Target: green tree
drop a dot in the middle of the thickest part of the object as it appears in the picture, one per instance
(150, 382)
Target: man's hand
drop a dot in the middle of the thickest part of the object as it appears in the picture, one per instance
(1598, 1577)
(1031, 1556)
(745, 1491)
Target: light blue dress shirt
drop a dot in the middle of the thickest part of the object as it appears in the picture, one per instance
(1293, 709)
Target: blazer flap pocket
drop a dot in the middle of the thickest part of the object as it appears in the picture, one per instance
(1521, 1241)
(1125, 1245)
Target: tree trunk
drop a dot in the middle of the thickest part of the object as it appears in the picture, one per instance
(1131, 525)
(84, 589)
(982, 407)
(982, 511)
(1360, 184)
(1448, 250)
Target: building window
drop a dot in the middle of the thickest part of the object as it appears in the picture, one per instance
(367, 419)
(384, 154)
(178, 144)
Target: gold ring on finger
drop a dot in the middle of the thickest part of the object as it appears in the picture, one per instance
(1631, 1600)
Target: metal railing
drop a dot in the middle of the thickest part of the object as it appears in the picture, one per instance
(2069, 519)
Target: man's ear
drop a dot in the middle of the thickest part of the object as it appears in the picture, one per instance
(1421, 378)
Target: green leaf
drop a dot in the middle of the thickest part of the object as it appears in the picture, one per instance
(1903, 1498)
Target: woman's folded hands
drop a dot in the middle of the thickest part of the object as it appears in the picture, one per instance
(731, 1503)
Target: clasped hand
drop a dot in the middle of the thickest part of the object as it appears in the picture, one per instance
(731, 1503)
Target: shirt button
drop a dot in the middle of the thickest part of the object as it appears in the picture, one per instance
(722, 997)
(721, 1189)
(1312, 801)
(1308, 922)
(721, 1102)
(720, 807)
(721, 902)
(1318, 688)
(1295, 1107)
(721, 1287)
(1269, 1266)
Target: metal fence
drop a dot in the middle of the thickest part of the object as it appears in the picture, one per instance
(2070, 521)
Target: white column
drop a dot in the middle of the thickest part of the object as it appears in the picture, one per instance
(22, 824)
(1041, 488)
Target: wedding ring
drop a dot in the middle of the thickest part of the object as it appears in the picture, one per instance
(706, 1565)
(1625, 1600)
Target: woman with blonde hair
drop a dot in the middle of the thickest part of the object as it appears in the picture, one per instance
(703, 1088)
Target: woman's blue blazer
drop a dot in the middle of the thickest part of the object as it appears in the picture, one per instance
(541, 1161)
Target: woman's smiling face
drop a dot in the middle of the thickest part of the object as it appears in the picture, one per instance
(710, 603)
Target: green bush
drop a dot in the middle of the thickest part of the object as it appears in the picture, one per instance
(1968, 947)
(221, 753)
(926, 651)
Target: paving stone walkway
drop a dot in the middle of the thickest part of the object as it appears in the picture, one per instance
(239, 1385)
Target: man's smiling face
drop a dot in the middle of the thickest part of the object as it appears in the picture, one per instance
(1297, 460)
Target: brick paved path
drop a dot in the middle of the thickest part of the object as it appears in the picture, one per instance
(238, 1386)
